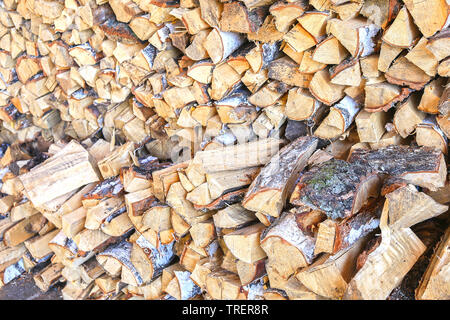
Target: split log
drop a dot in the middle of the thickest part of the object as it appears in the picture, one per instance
(333, 236)
(244, 243)
(233, 217)
(432, 286)
(428, 133)
(238, 157)
(407, 116)
(287, 246)
(406, 162)
(397, 244)
(181, 287)
(329, 275)
(408, 207)
(428, 26)
(324, 90)
(371, 125)
(404, 73)
(402, 32)
(220, 44)
(24, 230)
(339, 119)
(356, 35)
(150, 260)
(301, 105)
(72, 160)
(268, 192)
(48, 276)
(121, 255)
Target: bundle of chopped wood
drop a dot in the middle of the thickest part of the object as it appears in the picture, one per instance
(212, 149)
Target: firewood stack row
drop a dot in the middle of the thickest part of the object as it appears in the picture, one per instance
(211, 149)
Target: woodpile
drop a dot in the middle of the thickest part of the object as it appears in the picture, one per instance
(223, 149)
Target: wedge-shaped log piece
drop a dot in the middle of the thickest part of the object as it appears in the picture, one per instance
(24, 230)
(408, 207)
(91, 240)
(423, 58)
(259, 55)
(108, 188)
(201, 270)
(333, 236)
(299, 39)
(120, 157)
(337, 188)
(295, 290)
(120, 253)
(383, 96)
(193, 21)
(356, 35)
(269, 94)
(347, 73)
(428, 133)
(380, 12)
(222, 284)
(181, 287)
(370, 125)
(233, 217)
(421, 166)
(220, 183)
(164, 178)
(286, 70)
(203, 233)
(329, 51)
(339, 119)
(244, 243)
(430, 17)
(211, 11)
(387, 264)
(220, 44)
(249, 272)
(73, 222)
(407, 116)
(136, 178)
(432, 94)
(149, 260)
(402, 32)
(439, 44)
(405, 73)
(324, 90)
(67, 170)
(268, 192)
(238, 157)
(315, 23)
(301, 105)
(287, 246)
(156, 218)
(140, 201)
(328, 276)
(176, 199)
(22, 210)
(38, 246)
(27, 67)
(95, 216)
(237, 18)
(9, 256)
(434, 283)
(49, 276)
(285, 14)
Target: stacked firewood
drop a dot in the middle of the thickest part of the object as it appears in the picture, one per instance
(212, 149)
